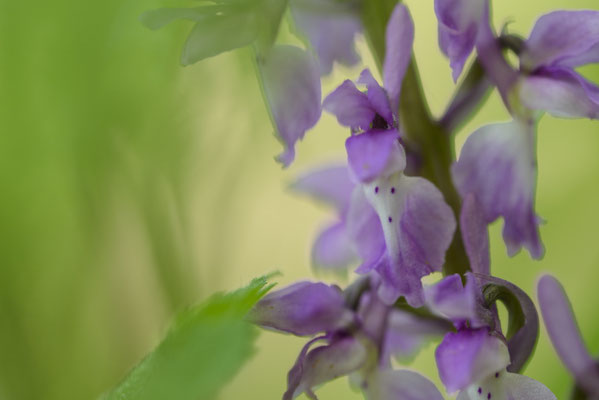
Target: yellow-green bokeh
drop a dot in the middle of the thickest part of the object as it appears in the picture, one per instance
(131, 187)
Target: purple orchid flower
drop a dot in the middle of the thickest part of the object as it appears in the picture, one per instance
(565, 335)
(559, 42)
(474, 359)
(417, 224)
(330, 27)
(358, 343)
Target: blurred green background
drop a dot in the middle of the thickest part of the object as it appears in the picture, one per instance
(131, 187)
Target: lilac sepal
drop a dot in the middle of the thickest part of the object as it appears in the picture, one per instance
(390, 384)
(399, 37)
(565, 335)
(377, 96)
(291, 84)
(333, 250)
(330, 27)
(475, 235)
(418, 227)
(459, 22)
(340, 357)
(469, 356)
(351, 106)
(450, 299)
(567, 38)
(370, 153)
(303, 309)
(330, 184)
(497, 165)
(561, 92)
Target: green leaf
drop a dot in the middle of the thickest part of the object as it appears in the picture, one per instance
(204, 348)
(156, 19)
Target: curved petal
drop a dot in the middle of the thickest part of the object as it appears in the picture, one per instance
(418, 226)
(565, 336)
(292, 89)
(365, 231)
(520, 387)
(400, 385)
(560, 37)
(295, 374)
(371, 153)
(325, 363)
(497, 165)
(458, 28)
(377, 96)
(333, 250)
(561, 92)
(303, 309)
(475, 235)
(450, 299)
(331, 28)
(351, 107)
(331, 184)
(469, 356)
(399, 38)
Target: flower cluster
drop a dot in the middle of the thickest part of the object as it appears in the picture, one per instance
(405, 206)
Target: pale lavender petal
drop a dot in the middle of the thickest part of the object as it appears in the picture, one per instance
(408, 333)
(520, 387)
(330, 184)
(365, 231)
(475, 235)
(497, 165)
(325, 363)
(561, 37)
(469, 356)
(370, 153)
(377, 96)
(450, 299)
(333, 249)
(294, 377)
(591, 56)
(304, 308)
(351, 107)
(400, 385)
(561, 92)
(398, 52)
(292, 89)
(564, 333)
(418, 226)
(330, 27)
(458, 27)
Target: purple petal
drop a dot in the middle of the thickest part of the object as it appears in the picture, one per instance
(475, 235)
(565, 336)
(365, 231)
(371, 153)
(325, 363)
(450, 299)
(304, 308)
(351, 107)
(294, 377)
(292, 90)
(333, 249)
(561, 92)
(399, 39)
(469, 356)
(329, 184)
(562, 38)
(331, 28)
(377, 96)
(408, 333)
(458, 28)
(400, 385)
(497, 165)
(418, 226)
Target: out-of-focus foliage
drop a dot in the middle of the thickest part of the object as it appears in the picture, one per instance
(204, 348)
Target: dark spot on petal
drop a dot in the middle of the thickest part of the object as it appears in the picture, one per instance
(496, 374)
(392, 190)
(480, 390)
(489, 396)
(376, 189)
(390, 219)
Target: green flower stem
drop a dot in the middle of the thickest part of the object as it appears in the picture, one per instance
(421, 131)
